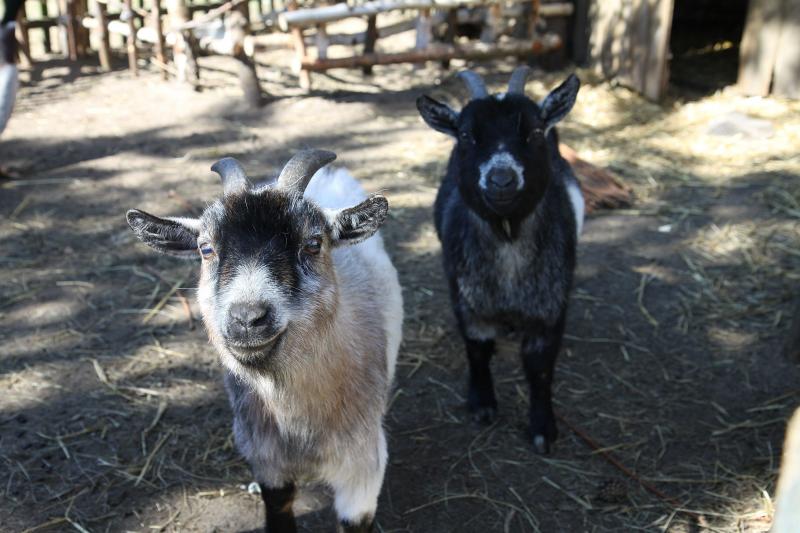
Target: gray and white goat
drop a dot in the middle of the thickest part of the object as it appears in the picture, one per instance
(307, 327)
(508, 213)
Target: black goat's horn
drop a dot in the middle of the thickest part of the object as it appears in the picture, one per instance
(516, 85)
(299, 170)
(234, 178)
(477, 89)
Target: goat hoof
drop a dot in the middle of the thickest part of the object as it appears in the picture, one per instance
(540, 445)
(485, 415)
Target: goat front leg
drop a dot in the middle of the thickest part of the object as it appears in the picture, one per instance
(479, 342)
(278, 502)
(539, 351)
(357, 485)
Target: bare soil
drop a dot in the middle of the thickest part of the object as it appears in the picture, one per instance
(112, 413)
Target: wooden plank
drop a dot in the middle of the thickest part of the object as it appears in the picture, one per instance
(629, 42)
(786, 81)
(759, 47)
(439, 53)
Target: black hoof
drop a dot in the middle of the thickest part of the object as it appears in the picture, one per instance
(485, 415)
(544, 434)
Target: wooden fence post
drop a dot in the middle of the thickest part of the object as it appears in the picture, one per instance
(300, 52)
(370, 38)
(23, 37)
(104, 51)
(155, 11)
(133, 55)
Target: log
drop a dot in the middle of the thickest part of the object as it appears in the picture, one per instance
(301, 18)
(438, 52)
(185, 48)
(352, 39)
(104, 50)
(23, 37)
(301, 53)
(601, 189)
(236, 29)
(371, 36)
(161, 56)
(133, 55)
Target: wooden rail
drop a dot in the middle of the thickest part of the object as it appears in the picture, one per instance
(302, 18)
(438, 52)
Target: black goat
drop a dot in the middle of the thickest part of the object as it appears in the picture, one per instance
(508, 213)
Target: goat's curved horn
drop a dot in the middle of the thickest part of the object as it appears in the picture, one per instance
(516, 85)
(474, 83)
(234, 178)
(301, 167)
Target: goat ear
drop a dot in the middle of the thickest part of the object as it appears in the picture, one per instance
(437, 115)
(559, 102)
(172, 236)
(355, 224)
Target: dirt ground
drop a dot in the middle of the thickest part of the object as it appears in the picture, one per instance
(112, 413)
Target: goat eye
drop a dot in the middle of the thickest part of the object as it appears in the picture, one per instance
(465, 136)
(206, 251)
(312, 246)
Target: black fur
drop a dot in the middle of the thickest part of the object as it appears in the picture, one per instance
(278, 505)
(509, 268)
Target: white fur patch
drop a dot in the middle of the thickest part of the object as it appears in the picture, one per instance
(356, 486)
(9, 82)
(501, 159)
(335, 188)
(578, 205)
(253, 283)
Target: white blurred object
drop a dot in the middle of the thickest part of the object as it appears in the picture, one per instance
(9, 77)
(787, 497)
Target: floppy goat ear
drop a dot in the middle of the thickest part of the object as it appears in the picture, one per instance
(559, 102)
(172, 236)
(355, 224)
(437, 115)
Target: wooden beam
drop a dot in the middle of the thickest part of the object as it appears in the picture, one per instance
(104, 50)
(439, 53)
(301, 18)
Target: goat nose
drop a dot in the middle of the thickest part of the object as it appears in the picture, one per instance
(502, 177)
(248, 315)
